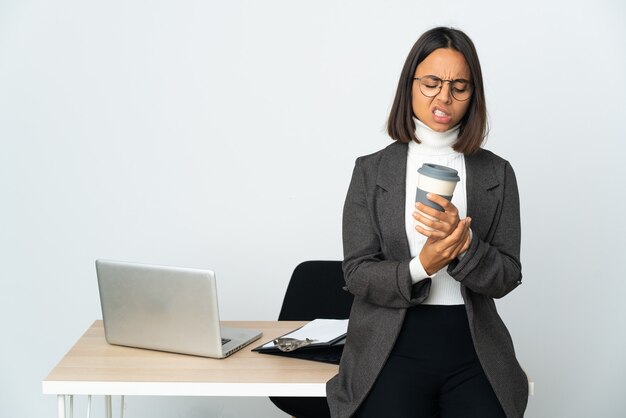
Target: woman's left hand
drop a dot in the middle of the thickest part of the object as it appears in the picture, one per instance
(445, 222)
(436, 254)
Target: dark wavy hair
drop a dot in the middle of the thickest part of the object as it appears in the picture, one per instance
(473, 126)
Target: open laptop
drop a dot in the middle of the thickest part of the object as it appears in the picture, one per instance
(165, 308)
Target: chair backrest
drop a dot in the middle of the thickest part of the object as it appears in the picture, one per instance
(316, 291)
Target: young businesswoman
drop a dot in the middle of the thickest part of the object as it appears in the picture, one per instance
(425, 339)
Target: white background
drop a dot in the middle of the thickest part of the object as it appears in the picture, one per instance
(223, 135)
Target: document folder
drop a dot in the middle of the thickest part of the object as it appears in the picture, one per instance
(319, 340)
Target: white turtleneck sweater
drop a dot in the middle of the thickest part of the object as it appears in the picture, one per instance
(435, 147)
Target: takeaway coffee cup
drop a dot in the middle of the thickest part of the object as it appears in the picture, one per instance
(438, 179)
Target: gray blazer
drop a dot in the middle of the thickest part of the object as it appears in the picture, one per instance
(376, 269)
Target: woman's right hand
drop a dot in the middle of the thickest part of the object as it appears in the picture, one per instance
(438, 253)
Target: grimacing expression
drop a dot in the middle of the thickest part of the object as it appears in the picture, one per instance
(443, 111)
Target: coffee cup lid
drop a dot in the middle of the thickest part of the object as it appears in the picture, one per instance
(439, 172)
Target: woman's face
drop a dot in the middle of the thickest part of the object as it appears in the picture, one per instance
(442, 111)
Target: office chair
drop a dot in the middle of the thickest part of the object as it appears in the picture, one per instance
(315, 290)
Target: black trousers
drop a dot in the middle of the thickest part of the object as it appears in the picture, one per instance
(433, 371)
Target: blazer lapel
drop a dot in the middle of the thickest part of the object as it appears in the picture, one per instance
(482, 200)
(390, 200)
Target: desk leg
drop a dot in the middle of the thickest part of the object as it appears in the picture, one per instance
(61, 406)
(108, 413)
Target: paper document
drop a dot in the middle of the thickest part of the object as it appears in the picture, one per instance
(320, 330)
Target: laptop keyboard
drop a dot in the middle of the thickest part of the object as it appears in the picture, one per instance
(225, 340)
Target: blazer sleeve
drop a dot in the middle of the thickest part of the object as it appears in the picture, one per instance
(492, 267)
(368, 272)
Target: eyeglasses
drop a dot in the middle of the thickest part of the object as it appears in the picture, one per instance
(430, 86)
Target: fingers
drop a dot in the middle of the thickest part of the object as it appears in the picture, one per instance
(433, 234)
(468, 241)
(457, 236)
(448, 208)
(443, 223)
(436, 254)
(430, 226)
(463, 243)
(443, 202)
(427, 210)
(450, 247)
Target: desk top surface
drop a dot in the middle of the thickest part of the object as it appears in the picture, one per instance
(92, 366)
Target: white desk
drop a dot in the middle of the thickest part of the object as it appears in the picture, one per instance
(93, 367)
